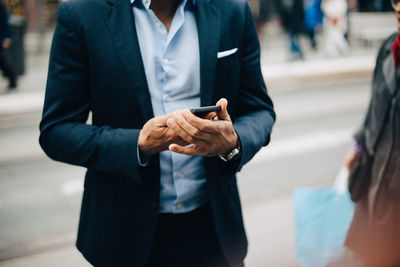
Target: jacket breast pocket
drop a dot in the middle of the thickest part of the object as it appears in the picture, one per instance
(226, 58)
(228, 67)
(227, 77)
(227, 53)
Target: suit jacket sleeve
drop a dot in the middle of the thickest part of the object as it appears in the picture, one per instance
(255, 115)
(64, 134)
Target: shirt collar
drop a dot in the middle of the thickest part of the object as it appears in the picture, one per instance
(146, 3)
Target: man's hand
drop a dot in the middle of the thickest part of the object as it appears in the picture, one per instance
(208, 137)
(6, 43)
(351, 158)
(155, 136)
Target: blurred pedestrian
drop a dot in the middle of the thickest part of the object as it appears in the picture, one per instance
(383, 6)
(292, 16)
(375, 230)
(312, 19)
(160, 188)
(374, 5)
(5, 43)
(335, 27)
(267, 10)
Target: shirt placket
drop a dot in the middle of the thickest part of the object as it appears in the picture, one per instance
(164, 60)
(167, 63)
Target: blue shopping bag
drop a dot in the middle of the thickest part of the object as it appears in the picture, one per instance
(322, 219)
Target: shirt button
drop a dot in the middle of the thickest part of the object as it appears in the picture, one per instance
(178, 206)
(179, 174)
(158, 24)
(168, 99)
(166, 61)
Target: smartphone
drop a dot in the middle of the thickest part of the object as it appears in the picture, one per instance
(200, 112)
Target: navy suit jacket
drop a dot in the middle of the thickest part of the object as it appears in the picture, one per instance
(96, 66)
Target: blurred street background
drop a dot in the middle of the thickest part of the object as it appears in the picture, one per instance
(320, 100)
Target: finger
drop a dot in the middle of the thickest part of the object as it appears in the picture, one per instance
(178, 140)
(223, 114)
(203, 125)
(188, 150)
(161, 121)
(189, 128)
(174, 126)
(210, 116)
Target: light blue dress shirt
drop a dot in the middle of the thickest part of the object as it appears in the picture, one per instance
(172, 66)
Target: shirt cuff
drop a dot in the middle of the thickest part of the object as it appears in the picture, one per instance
(143, 162)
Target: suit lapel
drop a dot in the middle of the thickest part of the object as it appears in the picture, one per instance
(208, 24)
(121, 25)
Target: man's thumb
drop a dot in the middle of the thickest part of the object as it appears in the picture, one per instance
(223, 114)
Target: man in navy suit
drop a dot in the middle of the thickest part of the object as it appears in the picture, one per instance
(160, 187)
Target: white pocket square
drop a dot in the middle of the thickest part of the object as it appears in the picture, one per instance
(226, 53)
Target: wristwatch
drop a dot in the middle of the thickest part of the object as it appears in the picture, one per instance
(234, 154)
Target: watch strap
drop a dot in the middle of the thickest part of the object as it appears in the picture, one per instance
(235, 153)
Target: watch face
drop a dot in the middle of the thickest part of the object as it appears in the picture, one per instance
(234, 154)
